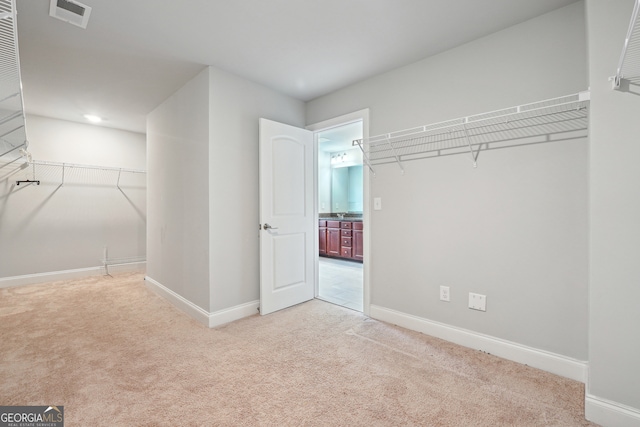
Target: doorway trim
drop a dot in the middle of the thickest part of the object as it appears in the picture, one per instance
(356, 116)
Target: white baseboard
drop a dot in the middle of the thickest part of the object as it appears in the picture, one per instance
(52, 276)
(198, 313)
(79, 273)
(230, 314)
(138, 266)
(608, 413)
(547, 361)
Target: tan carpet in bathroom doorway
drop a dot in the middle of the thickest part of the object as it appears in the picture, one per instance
(115, 354)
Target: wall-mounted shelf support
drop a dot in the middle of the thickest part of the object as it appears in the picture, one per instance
(395, 154)
(474, 156)
(629, 62)
(365, 158)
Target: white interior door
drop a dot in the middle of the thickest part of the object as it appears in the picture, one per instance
(287, 217)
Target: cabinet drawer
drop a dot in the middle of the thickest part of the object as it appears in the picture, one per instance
(345, 233)
(345, 224)
(346, 241)
(333, 224)
(322, 223)
(345, 252)
(357, 226)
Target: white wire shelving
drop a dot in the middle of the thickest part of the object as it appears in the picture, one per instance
(74, 173)
(629, 62)
(13, 139)
(544, 121)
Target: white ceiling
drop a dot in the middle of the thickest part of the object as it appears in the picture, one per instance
(136, 53)
(339, 138)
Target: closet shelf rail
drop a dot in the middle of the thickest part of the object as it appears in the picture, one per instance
(12, 123)
(629, 62)
(497, 129)
(114, 173)
(82, 166)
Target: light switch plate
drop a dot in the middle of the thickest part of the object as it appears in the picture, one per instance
(377, 204)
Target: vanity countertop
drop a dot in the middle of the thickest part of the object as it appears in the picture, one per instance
(335, 217)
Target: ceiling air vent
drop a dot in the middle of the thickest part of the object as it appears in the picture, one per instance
(69, 11)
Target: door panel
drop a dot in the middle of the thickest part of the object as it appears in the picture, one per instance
(287, 252)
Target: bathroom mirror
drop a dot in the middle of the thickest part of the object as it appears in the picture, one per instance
(346, 189)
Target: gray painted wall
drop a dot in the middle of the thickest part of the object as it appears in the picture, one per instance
(515, 229)
(614, 346)
(235, 105)
(203, 212)
(178, 192)
(53, 227)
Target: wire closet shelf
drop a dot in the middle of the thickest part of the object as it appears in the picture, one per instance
(107, 175)
(629, 62)
(12, 122)
(543, 121)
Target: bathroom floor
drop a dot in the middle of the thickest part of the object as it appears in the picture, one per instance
(341, 282)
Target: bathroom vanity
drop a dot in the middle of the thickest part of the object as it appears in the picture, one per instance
(341, 238)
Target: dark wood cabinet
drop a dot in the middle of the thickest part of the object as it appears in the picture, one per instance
(333, 238)
(341, 239)
(357, 242)
(322, 237)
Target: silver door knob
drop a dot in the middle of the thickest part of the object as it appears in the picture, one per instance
(268, 227)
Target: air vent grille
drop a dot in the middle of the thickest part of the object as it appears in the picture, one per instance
(71, 7)
(69, 11)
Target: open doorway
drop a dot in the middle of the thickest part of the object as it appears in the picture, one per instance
(340, 216)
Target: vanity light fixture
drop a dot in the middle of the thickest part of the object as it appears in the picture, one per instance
(338, 158)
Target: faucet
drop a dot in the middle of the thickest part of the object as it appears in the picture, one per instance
(341, 215)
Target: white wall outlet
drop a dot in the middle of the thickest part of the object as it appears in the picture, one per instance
(377, 203)
(477, 302)
(444, 293)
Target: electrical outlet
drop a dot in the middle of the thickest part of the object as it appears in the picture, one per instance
(477, 302)
(444, 293)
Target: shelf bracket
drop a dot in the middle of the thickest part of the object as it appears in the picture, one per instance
(395, 154)
(617, 80)
(360, 143)
(474, 156)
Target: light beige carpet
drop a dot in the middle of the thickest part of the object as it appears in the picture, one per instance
(115, 354)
